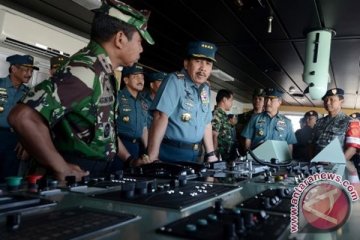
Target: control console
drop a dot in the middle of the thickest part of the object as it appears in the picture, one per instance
(174, 193)
(223, 223)
(275, 201)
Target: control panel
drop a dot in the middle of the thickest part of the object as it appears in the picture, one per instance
(222, 200)
(222, 223)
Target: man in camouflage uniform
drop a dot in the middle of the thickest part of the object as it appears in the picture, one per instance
(68, 122)
(221, 127)
(55, 63)
(244, 118)
(337, 125)
(334, 124)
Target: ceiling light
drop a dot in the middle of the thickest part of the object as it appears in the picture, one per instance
(239, 3)
(298, 95)
(292, 89)
(217, 73)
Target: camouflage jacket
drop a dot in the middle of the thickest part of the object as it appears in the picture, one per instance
(79, 104)
(328, 128)
(221, 125)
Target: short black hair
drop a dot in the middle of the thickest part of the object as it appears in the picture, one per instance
(104, 27)
(223, 93)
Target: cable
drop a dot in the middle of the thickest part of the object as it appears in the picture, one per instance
(285, 164)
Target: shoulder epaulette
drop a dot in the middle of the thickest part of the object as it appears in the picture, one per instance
(180, 75)
(279, 115)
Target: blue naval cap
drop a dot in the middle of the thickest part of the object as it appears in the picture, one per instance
(273, 92)
(355, 115)
(25, 60)
(202, 49)
(156, 76)
(311, 113)
(333, 92)
(134, 69)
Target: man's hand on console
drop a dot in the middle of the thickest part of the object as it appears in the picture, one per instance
(142, 160)
(71, 170)
(211, 157)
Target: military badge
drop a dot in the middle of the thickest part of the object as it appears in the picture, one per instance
(144, 106)
(260, 132)
(204, 96)
(180, 75)
(3, 98)
(189, 105)
(281, 124)
(126, 119)
(124, 100)
(107, 128)
(261, 121)
(185, 117)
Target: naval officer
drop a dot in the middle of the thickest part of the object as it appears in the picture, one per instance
(270, 124)
(132, 120)
(181, 110)
(155, 79)
(12, 89)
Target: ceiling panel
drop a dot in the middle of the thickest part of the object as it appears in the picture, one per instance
(345, 60)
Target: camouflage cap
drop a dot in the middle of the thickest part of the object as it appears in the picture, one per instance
(258, 92)
(134, 69)
(55, 62)
(202, 49)
(25, 60)
(156, 76)
(126, 13)
(333, 92)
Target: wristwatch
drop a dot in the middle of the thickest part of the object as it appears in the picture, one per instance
(209, 154)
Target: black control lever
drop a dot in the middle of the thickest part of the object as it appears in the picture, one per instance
(161, 169)
(197, 167)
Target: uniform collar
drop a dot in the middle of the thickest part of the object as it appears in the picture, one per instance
(8, 84)
(102, 56)
(221, 111)
(127, 94)
(339, 115)
(277, 115)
